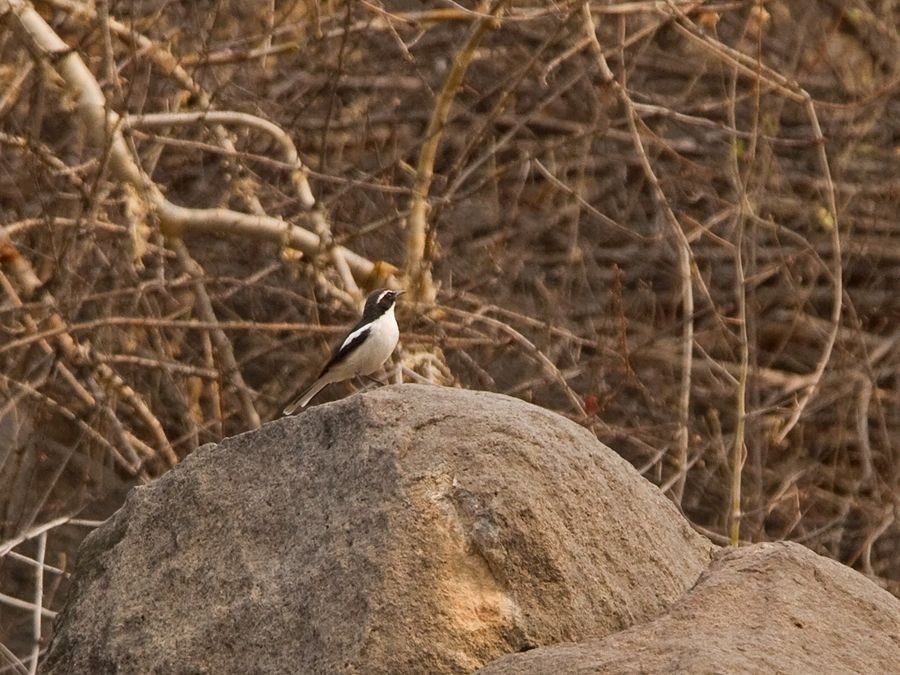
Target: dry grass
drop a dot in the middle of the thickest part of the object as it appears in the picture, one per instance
(677, 226)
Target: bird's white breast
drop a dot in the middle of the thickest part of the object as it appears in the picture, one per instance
(381, 341)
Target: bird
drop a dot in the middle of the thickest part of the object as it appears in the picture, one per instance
(362, 351)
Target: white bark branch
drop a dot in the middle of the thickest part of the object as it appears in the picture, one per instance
(104, 128)
(288, 149)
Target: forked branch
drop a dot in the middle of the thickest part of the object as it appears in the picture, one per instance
(104, 128)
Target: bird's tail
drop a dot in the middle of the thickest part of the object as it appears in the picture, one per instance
(306, 396)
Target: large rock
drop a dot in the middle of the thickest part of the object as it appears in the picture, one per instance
(409, 530)
(768, 608)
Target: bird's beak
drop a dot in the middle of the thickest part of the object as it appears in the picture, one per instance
(399, 293)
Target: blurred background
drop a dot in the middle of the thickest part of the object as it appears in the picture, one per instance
(675, 223)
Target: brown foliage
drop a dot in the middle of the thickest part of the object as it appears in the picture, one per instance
(558, 206)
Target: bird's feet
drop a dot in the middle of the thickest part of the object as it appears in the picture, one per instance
(365, 382)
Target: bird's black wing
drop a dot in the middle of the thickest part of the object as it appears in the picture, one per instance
(344, 348)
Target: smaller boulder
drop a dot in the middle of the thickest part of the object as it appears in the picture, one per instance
(768, 608)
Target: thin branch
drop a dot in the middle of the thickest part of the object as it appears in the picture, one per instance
(759, 72)
(548, 365)
(288, 149)
(28, 606)
(149, 322)
(683, 250)
(739, 450)
(33, 532)
(220, 340)
(421, 285)
(837, 272)
(38, 601)
(15, 663)
(13, 555)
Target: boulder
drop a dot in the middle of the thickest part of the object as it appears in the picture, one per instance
(767, 608)
(411, 529)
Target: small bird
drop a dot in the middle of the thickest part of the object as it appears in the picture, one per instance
(368, 344)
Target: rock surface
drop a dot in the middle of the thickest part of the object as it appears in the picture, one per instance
(768, 608)
(412, 529)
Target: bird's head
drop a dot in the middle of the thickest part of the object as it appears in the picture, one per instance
(380, 302)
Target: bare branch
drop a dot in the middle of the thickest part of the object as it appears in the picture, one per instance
(417, 268)
(298, 172)
(683, 249)
(102, 123)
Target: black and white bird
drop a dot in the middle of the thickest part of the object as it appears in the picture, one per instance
(368, 344)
